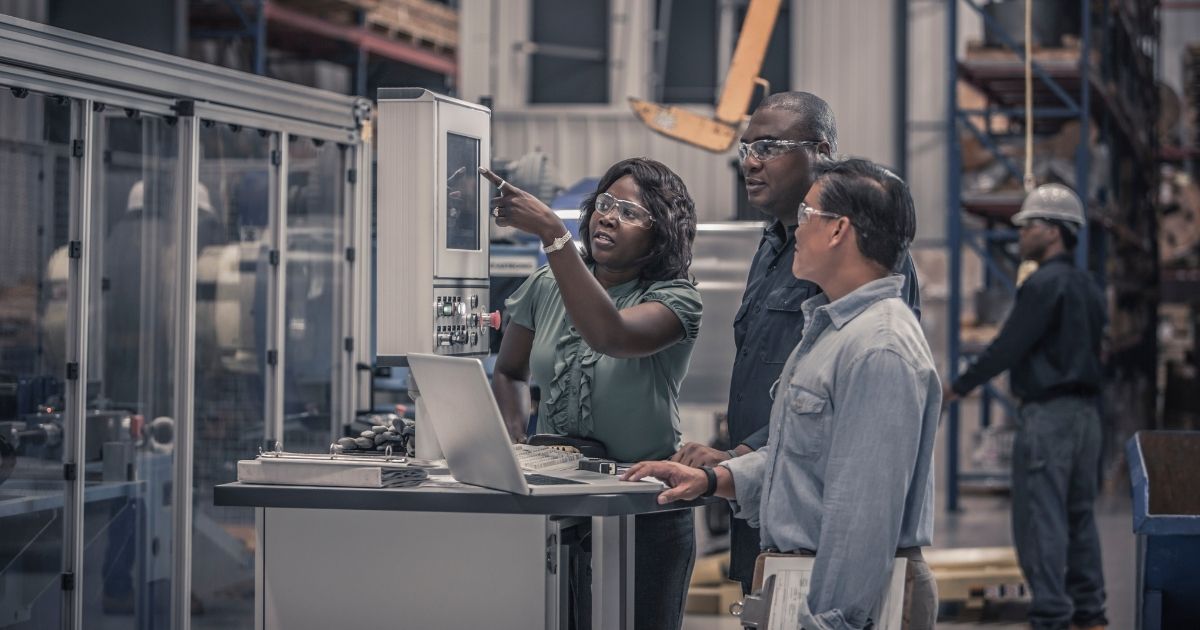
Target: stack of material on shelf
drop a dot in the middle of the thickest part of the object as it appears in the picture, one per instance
(1179, 229)
(710, 591)
(338, 468)
(422, 22)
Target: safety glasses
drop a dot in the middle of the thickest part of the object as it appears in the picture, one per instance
(628, 212)
(767, 149)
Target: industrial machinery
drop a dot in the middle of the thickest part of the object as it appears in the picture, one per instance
(432, 265)
(717, 134)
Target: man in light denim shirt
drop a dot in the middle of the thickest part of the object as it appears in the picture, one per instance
(847, 474)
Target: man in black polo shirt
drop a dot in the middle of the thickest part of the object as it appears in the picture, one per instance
(1051, 345)
(786, 132)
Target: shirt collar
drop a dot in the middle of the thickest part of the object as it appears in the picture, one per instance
(777, 235)
(1065, 257)
(851, 305)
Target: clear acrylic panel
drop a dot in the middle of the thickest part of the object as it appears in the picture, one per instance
(232, 278)
(134, 256)
(314, 293)
(35, 167)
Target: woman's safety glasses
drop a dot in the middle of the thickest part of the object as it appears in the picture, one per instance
(628, 212)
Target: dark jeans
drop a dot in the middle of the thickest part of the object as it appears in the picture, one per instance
(1054, 485)
(665, 550)
(664, 554)
(744, 547)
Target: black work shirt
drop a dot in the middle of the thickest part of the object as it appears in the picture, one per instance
(1050, 341)
(769, 325)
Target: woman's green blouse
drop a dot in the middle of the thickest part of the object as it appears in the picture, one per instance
(630, 405)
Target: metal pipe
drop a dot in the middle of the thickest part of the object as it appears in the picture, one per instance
(185, 386)
(954, 243)
(260, 38)
(277, 291)
(83, 139)
(900, 87)
(1083, 152)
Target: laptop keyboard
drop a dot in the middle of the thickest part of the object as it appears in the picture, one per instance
(546, 480)
(545, 458)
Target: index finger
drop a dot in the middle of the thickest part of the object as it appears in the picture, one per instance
(491, 177)
(636, 471)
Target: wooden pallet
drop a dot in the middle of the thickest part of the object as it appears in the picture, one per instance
(1069, 52)
(972, 574)
(420, 22)
(713, 600)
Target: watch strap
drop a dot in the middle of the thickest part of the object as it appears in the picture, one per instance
(711, 474)
(557, 243)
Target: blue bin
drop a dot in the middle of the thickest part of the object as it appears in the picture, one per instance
(1164, 468)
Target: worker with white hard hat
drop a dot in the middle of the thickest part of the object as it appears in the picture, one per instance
(1050, 345)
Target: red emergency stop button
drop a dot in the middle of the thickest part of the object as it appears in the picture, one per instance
(492, 319)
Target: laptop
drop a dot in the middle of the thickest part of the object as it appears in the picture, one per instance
(471, 432)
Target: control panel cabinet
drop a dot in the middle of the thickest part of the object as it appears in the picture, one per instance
(432, 266)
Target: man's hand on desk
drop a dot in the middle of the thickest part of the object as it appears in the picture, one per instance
(683, 482)
(695, 454)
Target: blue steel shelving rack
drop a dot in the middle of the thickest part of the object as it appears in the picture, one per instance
(1064, 90)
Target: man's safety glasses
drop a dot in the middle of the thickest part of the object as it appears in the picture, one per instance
(768, 149)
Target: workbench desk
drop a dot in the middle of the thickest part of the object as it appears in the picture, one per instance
(449, 558)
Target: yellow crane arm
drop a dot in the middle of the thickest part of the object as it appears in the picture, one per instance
(717, 134)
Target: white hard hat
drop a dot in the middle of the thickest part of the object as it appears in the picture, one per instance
(137, 197)
(1053, 202)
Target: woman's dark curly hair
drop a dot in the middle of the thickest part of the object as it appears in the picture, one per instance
(667, 199)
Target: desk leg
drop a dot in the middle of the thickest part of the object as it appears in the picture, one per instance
(612, 572)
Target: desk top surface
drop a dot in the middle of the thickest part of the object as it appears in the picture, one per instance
(457, 499)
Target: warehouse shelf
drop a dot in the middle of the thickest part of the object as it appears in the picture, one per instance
(1102, 81)
(418, 33)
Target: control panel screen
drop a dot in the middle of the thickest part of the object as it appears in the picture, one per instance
(462, 192)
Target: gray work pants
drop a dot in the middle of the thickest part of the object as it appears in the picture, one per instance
(1054, 484)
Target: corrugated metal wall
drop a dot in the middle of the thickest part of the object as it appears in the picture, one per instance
(842, 52)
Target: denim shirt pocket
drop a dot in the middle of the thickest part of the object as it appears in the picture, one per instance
(806, 422)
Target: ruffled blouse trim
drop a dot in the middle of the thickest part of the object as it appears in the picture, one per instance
(571, 353)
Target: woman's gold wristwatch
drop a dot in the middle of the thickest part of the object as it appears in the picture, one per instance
(557, 243)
